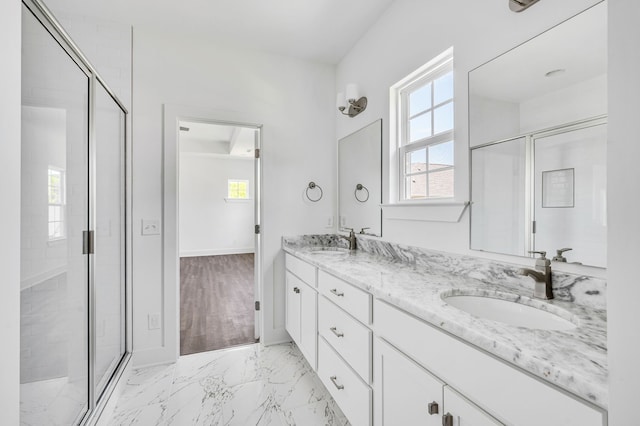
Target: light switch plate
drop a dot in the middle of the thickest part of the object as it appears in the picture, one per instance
(150, 226)
(154, 321)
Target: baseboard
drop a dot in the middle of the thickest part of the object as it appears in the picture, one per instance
(216, 252)
(152, 357)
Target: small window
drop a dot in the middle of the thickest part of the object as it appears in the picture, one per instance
(238, 189)
(424, 104)
(56, 198)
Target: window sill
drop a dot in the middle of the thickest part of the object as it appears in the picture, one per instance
(56, 241)
(426, 211)
(238, 200)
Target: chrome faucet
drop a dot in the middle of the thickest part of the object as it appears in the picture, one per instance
(353, 243)
(559, 257)
(541, 275)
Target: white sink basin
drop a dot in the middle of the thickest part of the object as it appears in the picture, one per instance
(330, 251)
(513, 313)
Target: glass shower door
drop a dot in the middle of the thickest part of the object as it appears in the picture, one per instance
(54, 347)
(109, 257)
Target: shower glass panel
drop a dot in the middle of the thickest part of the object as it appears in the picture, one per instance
(109, 257)
(499, 199)
(54, 344)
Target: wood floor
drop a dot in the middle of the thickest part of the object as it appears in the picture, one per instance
(216, 302)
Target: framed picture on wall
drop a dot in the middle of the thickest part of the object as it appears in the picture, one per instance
(558, 188)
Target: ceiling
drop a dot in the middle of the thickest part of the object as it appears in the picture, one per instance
(217, 140)
(317, 30)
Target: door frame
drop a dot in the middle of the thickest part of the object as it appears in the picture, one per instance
(172, 115)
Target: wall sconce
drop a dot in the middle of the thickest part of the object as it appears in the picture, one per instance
(520, 5)
(355, 103)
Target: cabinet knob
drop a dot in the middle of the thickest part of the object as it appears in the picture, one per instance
(447, 420)
(296, 290)
(433, 408)
(336, 292)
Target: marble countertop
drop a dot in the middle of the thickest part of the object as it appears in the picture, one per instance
(574, 360)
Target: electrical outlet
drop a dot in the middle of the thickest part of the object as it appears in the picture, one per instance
(329, 223)
(150, 226)
(154, 321)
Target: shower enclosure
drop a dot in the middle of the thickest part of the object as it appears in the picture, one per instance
(73, 222)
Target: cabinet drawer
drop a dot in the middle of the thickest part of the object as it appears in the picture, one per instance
(348, 337)
(511, 396)
(353, 300)
(351, 394)
(301, 269)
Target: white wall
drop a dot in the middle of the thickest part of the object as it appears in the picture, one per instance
(10, 48)
(490, 29)
(294, 100)
(623, 153)
(209, 224)
(410, 34)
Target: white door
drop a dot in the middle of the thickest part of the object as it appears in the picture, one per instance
(308, 323)
(258, 239)
(462, 412)
(292, 301)
(405, 393)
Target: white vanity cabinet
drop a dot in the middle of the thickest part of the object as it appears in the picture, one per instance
(345, 346)
(459, 411)
(406, 393)
(301, 307)
(511, 396)
(386, 367)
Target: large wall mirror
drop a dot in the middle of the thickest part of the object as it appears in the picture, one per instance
(360, 180)
(537, 126)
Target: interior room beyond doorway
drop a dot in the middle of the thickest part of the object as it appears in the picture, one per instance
(217, 209)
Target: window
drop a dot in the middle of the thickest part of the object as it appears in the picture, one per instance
(238, 189)
(56, 198)
(424, 103)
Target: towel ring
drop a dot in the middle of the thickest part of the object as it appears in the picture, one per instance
(313, 185)
(361, 187)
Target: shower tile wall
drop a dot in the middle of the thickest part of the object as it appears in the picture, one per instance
(44, 329)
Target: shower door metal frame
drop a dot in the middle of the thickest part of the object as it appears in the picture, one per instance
(96, 403)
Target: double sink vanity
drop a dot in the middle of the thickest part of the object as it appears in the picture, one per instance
(401, 336)
(407, 336)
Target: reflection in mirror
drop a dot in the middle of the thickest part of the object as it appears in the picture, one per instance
(570, 189)
(498, 222)
(537, 126)
(360, 180)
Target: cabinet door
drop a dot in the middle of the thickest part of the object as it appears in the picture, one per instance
(308, 324)
(292, 301)
(404, 390)
(463, 412)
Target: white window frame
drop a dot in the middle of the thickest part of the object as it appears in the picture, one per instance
(400, 92)
(61, 205)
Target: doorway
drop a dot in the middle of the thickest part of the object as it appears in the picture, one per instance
(218, 203)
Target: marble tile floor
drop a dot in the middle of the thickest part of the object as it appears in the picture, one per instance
(52, 402)
(245, 385)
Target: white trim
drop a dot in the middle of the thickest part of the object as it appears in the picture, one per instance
(169, 350)
(432, 212)
(435, 68)
(216, 252)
